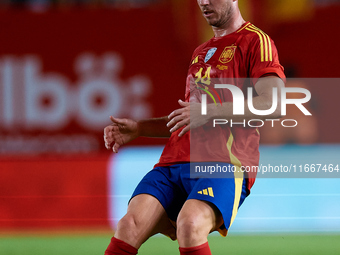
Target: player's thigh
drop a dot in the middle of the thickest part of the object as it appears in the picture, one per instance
(145, 217)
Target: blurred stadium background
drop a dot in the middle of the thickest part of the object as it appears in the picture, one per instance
(66, 66)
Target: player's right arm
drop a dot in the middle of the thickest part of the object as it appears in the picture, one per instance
(122, 131)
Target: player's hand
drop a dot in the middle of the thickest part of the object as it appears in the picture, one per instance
(189, 116)
(120, 132)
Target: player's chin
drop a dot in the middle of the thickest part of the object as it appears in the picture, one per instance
(212, 22)
(209, 20)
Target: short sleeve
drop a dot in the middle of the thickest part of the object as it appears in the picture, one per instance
(263, 58)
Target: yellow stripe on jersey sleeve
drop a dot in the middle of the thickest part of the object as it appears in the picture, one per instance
(261, 42)
(267, 39)
(266, 46)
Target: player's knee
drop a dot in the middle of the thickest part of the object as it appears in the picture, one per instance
(191, 227)
(127, 225)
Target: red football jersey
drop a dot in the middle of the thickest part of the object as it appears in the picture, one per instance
(239, 58)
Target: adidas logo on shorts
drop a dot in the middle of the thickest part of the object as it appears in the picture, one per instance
(207, 192)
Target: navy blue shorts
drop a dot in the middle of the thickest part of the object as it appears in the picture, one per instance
(172, 186)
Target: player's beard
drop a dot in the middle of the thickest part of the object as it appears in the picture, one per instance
(225, 17)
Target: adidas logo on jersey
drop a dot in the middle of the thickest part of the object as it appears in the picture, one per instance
(207, 192)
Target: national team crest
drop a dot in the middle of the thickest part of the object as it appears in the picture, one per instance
(227, 54)
(209, 55)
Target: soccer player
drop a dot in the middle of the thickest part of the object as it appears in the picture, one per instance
(167, 200)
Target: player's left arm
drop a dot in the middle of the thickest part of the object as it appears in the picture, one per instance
(264, 88)
(263, 101)
(190, 116)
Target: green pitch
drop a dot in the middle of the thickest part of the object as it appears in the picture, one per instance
(235, 244)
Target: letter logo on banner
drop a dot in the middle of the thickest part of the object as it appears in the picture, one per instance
(47, 101)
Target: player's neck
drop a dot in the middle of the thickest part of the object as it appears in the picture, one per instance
(231, 26)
